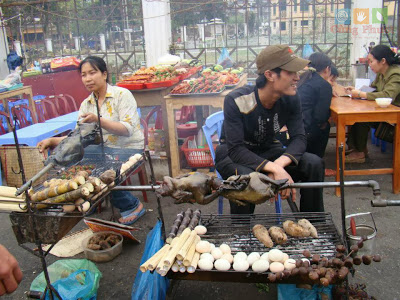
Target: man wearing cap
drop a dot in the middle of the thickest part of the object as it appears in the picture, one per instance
(253, 115)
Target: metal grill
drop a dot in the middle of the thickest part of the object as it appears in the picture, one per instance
(236, 231)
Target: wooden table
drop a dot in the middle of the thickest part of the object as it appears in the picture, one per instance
(346, 111)
(25, 90)
(173, 102)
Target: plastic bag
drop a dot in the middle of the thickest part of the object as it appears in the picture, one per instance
(62, 269)
(148, 285)
(224, 59)
(290, 291)
(307, 51)
(77, 285)
(11, 79)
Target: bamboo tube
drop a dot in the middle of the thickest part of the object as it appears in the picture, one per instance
(12, 207)
(54, 190)
(11, 199)
(82, 192)
(83, 173)
(153, 261)
(89, 186)
(179, 262)
(185, 248)
(170, 258)
(182, 269)
(94, 180)
(175, 267)
(193, 264)
(7, 191)
(189, 256)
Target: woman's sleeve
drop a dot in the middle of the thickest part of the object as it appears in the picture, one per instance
(127, 112)
(390, 90)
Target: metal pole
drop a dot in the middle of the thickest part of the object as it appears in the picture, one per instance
(77, 25)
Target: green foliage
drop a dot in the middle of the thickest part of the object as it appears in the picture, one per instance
(262, 287)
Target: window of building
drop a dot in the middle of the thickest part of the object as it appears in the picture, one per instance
(283, 26)
(295, 5)
(274, 24)
(274, 8)
(282, 5)
(303, 5)
(332, 6)
(304, 23)
(295, 23)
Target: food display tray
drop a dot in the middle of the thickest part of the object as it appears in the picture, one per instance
(198, 94)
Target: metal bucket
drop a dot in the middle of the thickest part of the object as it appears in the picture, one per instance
(363, 230)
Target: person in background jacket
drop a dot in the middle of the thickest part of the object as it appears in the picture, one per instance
(315, 95)
(253, 115)
(385, 63)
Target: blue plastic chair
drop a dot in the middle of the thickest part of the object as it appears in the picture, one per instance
(212, 125)
(378, 142)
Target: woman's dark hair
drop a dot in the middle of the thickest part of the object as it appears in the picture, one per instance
(97, 63)
(334, 71)
(262, 81)
(319, 61)
(383, 51)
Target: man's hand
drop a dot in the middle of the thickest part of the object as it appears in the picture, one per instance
(277, 172)
(88, 118)
(44, 145)
(10, 273)
(348, 89)
(361, 17)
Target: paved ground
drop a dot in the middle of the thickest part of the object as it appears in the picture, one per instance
(118, 275)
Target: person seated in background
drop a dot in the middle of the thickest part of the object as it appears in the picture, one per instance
(10, 272)
(120, 125)
(337, 89)
(385, 63)
(253, 115)
(315, 94)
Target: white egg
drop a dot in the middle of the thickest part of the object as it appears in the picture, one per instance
(285, 258)
(212, 246)
(228, 257)
(260, 266)
(275, 255)
(241, 265)
(253, 257)
(207, 256)
(290, 264)
(203, 247)
(200, 229)
(217, 253)
(240, 256)
(265, 256)
(276, 267)
(225, 248)
(205, 264)
(222, 264)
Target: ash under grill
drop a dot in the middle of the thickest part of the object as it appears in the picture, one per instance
(236, 231)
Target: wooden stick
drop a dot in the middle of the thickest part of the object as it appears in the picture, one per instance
(193, 265)
(153, 261)
(11, 199)
(186, 246)
(170, 258)
(11, 207)
(189, 256)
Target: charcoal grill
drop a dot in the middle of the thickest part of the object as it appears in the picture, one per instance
(236, 231)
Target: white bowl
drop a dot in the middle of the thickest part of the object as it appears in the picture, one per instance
(383, 102)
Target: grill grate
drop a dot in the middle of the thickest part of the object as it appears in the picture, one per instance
(236, 231)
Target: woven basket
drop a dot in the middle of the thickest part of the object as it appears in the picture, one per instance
(32, 159)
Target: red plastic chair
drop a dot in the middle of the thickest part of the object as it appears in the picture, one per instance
(186, 114)
(50, 109)
(69, 101)
(159, 118)
(19, 112)
(7, 118)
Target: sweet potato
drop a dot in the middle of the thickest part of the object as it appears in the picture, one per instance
(309, 227)
(278, 235)
(108, 176)
(261, 233)
(294, 229)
